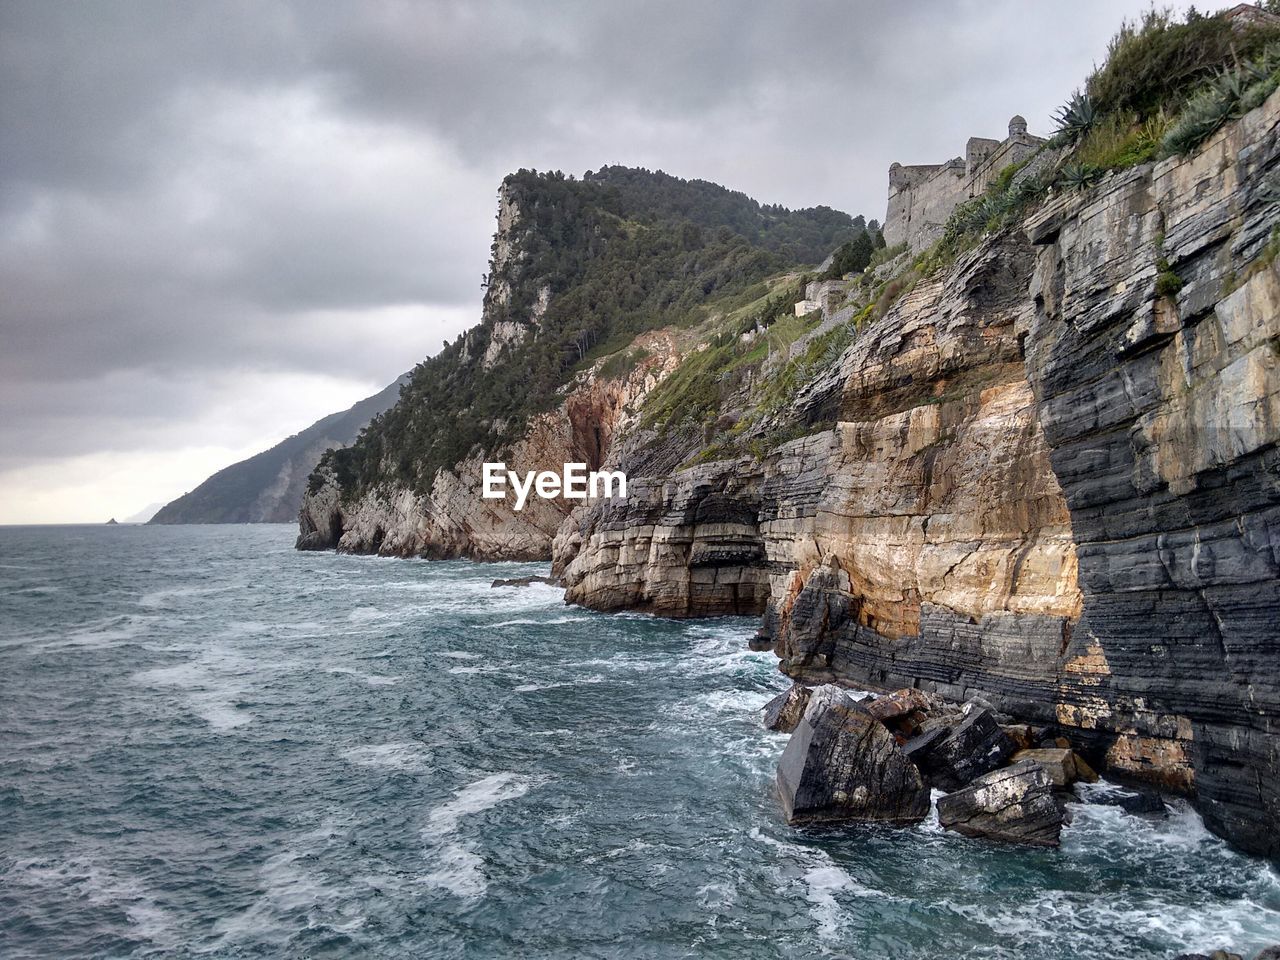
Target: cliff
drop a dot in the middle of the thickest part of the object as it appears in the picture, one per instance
(267, 487)
(1052, 481)
(1037, 463)
(593, 286)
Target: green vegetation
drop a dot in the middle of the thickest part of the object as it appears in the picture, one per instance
(1154, 64)
(853, 257)
(620, 251)
(1167, 83)
(1230, 94)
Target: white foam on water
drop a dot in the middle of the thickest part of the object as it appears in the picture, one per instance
(89, 879)
(391, 756)
(210, 685)
(165, 597)
(476, 797)
(530, 622)
(823, 883)
(457, 867)
(823, 879)
(289, 890)
(459, 870)
(459, 655)
(743, 702)
(578, 681)
(490, 668)
(366, 615)
(372, 679)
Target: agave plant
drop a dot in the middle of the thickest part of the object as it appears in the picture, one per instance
(1077, 175)
(1077, 116)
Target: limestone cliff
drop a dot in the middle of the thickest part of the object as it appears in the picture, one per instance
(1052, 480)
(590, 284)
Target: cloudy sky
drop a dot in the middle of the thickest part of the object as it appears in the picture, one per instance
(221, 221)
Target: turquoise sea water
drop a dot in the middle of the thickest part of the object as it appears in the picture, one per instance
(211, 745)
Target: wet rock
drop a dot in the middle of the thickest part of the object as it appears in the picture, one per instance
(1015, 804)
(785, 711)
(525, 582)
(1023, 734)
(897, 704)
(1130, 801)
(973, 747)
(843, 764)
(1060, 764)
(1269, 953)
(917, 750)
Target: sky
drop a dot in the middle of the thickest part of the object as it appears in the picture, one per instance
(221, 221)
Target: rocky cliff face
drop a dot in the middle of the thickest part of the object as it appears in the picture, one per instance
(623, 257)
(454, 520)
(1053, 482)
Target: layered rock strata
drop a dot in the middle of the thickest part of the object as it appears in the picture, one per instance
(1053, 482)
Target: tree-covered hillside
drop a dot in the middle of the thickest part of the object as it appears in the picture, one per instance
(610, 255)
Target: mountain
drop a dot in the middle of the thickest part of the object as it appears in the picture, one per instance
(1028, 455)
(145, 514)
(268, 487)
(579, 270)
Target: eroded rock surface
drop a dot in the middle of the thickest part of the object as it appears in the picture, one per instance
(842, 764)
(1015, 804)
(785, 711)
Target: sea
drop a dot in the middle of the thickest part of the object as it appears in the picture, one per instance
(214, 746)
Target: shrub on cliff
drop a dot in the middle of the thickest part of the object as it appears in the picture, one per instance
(1154, 64)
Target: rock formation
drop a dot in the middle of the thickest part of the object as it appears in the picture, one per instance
(1045, 473)
(1015, 804)
(1053, 481)
(785, 711)
(842, 764)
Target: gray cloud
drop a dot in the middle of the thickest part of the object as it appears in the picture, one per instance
(195, 196)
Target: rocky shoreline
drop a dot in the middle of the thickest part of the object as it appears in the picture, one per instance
(1045, 477)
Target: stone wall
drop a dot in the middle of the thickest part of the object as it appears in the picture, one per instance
(921, 198)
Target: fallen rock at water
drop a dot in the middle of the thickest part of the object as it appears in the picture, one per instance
(971, 748)
(1060, 764)
(525, 582)
(1269, 953)
(785, 711)
(1131, 801)
(843, 764)
(1015, 804)
(1218, 955)
(917, 749)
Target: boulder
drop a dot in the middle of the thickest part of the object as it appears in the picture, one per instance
(1058, 763)
(843, 764)
(1084, 771)
(1131, 801)
(1022, 734)
(917, 749)
(897, 704)
(785, 711)
(1015, 804)
(971, 748)
(1269, 953)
